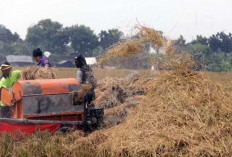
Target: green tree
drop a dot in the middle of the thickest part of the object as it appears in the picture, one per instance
(7, 36)
(49, 35)
(200, 40)
(200, 53)
(82, 39)
(180, 41)
(219, 61)
(221, 42)
(180, 45)
(109, 37)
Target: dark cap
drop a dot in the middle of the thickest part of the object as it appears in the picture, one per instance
(6, 63)
(81, 60)
(37, 53)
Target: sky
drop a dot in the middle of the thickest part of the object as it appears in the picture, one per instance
(173, 17)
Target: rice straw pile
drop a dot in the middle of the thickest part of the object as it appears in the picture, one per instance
(133, 46)
(183, 114)
(123, 49)
(34, 73)
(118, 97)
(150, 35)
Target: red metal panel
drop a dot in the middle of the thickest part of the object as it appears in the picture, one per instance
(17, 110)
(6, 96)
(68, 116)
(54, 114)
(24, 88)
(49, 86)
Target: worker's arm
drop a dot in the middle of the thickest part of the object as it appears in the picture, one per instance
(79, 76)
(46, 62)
(46, 66)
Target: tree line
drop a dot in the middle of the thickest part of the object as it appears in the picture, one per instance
(61, 41)
(213, 53)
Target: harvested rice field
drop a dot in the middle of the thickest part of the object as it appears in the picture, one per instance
(183, 113)
(177, 112)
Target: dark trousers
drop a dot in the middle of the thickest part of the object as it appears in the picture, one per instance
(5, 111)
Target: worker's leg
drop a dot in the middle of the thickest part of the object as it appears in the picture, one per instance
(91, 99)
(5, 111)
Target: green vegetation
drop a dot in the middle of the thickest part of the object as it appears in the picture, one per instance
(212, 54)
(62, 42)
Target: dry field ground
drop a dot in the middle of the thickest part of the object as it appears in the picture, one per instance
(224, 78)
(182, 114)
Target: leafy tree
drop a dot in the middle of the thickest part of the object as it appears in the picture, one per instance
(226, 42)
(200, 40)
(214, 43)
(200, 53)
(82, 39)
(219, 62)
(180, 45)
(180, 41)
(98, 51)
(221, 41)
(7, 36)
(21, 48)
(109, 37)
(49, 35)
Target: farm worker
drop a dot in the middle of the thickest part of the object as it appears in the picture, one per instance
(8, 78)
(41, 59)
(85, 74)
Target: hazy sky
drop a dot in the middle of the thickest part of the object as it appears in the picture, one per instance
(173, 17)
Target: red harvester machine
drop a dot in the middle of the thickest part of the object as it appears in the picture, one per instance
(47, 105)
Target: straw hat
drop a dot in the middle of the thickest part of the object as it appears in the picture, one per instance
(5, 66)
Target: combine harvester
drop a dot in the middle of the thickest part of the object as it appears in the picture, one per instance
(38, 105)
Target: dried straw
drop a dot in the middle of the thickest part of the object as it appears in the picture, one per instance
(113, 92)
(123, 49)
(34, 73)
(133, 46)
(183, 114)
(118, 97)
(150, 35)
(79, 95)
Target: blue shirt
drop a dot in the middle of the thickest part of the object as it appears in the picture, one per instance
(44, 61)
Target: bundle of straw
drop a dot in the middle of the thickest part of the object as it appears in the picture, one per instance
(79, 96)
(133, 46)
(123, 49)
(34, 73)
(150, 35)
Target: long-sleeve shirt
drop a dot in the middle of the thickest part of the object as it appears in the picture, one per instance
(79, 76)
(44, 61)
(8, 82)
(85, 75)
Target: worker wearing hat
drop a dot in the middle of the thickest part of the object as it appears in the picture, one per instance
(85, 75)
(41, 59)
(8, 78)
